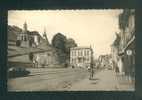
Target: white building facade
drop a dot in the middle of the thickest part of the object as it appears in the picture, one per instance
(81, 57)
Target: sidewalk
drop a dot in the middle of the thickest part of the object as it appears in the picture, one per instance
(104, 80)
(125, 84)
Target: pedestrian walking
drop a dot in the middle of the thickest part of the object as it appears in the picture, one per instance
(31, 56)
(91, 72)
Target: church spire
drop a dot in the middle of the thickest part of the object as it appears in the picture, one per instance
(45, 36)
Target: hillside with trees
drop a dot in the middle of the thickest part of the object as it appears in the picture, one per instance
(60, 44)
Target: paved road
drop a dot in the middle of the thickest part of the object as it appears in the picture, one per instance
(104, 80)
(44, 79)
(67, 79)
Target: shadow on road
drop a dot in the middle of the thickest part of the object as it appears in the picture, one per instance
(94, 80)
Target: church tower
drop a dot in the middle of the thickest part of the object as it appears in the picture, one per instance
(45, 36)
(24, 37)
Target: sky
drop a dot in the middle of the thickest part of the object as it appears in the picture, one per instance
(95, 28)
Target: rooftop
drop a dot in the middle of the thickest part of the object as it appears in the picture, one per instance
(81, 47)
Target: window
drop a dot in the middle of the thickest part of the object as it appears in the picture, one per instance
(81, 53)
(73, 53)
(25, 39)
(79, 60)
(22, 37)
(78, 53)
(71, 60)
(87, 52)
(88, 59)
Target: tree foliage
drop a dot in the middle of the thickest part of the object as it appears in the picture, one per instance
(59, 41)
(63, 45)
(69, 44)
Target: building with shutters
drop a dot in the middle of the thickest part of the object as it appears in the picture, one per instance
(81, 57)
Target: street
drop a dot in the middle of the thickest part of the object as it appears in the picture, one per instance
(67, 79)
(104, 80)
(46, 79)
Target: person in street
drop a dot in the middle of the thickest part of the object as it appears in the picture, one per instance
(91, 72)
(31, 58)
(35, 61)
(72, 66)
(116, 70)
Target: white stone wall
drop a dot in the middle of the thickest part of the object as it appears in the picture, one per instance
(46, 59)
(36, 40)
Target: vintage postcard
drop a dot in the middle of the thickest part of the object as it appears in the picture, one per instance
(71, 50)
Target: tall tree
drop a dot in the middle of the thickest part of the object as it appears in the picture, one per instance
(63, 45)
(69, 44)
(59, 41)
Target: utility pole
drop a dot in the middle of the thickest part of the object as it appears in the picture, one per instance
(91, 65)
